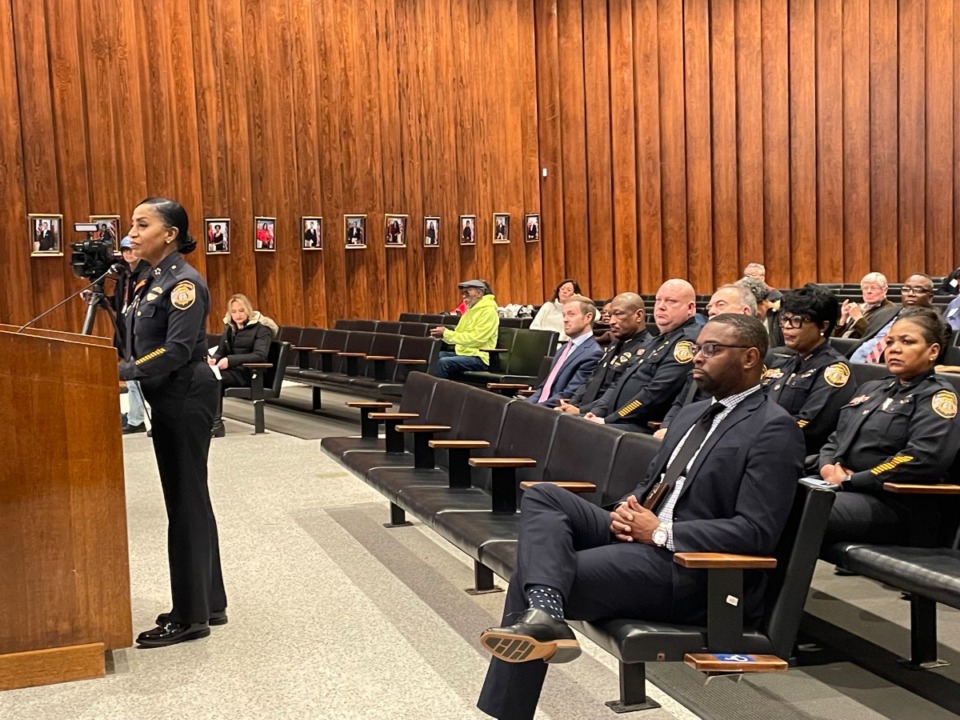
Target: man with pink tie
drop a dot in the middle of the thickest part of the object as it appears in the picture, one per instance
(576, 360)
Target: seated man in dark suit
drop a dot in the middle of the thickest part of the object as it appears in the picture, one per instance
(917, 291)
(647, 389)
(628, 326)
(578, 358)
(724, 481)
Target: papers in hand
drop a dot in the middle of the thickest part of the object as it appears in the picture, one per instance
(216, 371)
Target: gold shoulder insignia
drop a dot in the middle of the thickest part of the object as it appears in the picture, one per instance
(857, 400)
(184, 295)
(772, 374)
(802, 423)
(945, 404)
(683, 351)
(837, 375)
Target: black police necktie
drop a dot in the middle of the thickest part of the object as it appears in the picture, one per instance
(659, 493)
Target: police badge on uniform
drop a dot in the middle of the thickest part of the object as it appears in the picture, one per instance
(837, 375)
(183, 295)
(945, 404)
(683, 351)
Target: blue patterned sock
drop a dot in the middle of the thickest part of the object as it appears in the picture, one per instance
(546, 598)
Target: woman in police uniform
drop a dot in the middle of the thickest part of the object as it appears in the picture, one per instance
(813, 384)
(900, 429)
(167, 326)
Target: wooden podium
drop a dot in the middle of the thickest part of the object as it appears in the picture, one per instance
(64, 568)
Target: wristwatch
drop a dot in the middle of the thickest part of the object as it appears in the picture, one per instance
(661, 534)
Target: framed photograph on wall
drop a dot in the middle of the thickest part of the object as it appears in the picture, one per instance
(531, 225)
(265, 234)
(45, 234)
(501, 227)
(108, 230)
(395, 231)
(431, 232)
(468, 229)
(311, 232)
(217, 234)
(355, 232)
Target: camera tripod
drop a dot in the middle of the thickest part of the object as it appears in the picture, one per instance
(93, 302)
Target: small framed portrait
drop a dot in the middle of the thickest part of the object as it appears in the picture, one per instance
(217, 232)
(501, 227)
(468, 229)
(531, 224)
(265, 234)
(108, 230)
(355, 232)
(431, 232)
(395, 231)
(45, 234)
(311, 232)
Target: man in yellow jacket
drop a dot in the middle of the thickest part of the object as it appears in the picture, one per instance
(477, 329)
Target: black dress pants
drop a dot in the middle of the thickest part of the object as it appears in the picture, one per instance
(565, 542)
(183, 407)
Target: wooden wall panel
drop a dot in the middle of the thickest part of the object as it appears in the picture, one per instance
(680, 137)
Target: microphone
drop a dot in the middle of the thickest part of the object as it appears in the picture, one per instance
(114, 269)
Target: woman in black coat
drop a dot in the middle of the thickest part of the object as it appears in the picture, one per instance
(246, 339)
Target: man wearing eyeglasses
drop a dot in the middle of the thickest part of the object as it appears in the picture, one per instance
(917, 291)
(855, 317)
(723, 481)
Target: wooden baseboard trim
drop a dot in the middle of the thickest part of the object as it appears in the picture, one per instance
(53, 665)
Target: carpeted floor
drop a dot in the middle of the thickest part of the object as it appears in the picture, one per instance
(334, 616)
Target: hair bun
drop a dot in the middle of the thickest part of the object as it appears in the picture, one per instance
(186, 245)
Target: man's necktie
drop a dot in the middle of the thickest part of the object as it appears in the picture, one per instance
(554, 371)
(654, 499)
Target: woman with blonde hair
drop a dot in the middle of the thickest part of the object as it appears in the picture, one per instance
(246, 339)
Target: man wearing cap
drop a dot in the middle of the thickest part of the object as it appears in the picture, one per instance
(477, 329)
(123, 296)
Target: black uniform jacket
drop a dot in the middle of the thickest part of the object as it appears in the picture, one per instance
(738, 492)
(647, 388)
(249, 344)
(812, 388)
(893, 432)
(617, 357)
(166, 321)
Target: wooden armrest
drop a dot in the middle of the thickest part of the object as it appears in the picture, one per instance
(393, 416)
(527, 392)
(654, 424)
(303, 347)
(494, 350)
(458, 444)
(730, 663)
(422, 428)
(910, 489)
(327, 351)
(724, 561)
(257, 365)
(352, 354)
(515, 462)
(379, 357)
(574, 486)
(507, 386)
(368, 404)
(411, 361)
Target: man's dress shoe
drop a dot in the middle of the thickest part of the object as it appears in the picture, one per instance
(537, 636)
(171, 633)
(218, 430)
(217, 617)
(127, 429)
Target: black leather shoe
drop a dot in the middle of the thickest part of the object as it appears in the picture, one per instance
(537, 636)
(172, 633)
(218, 430)
(130, 429)
(217, 617)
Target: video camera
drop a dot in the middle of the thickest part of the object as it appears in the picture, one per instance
(94, 256)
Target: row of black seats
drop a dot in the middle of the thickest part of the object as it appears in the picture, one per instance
(456, 458)
(434, 320)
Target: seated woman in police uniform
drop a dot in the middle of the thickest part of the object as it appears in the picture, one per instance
(899, 429)
(246, 339)
(814, 383)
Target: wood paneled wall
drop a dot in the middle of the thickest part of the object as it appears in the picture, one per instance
(679, 138)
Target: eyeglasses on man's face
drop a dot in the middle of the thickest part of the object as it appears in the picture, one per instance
(709, 349)
(794, 322)
(915, 290)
